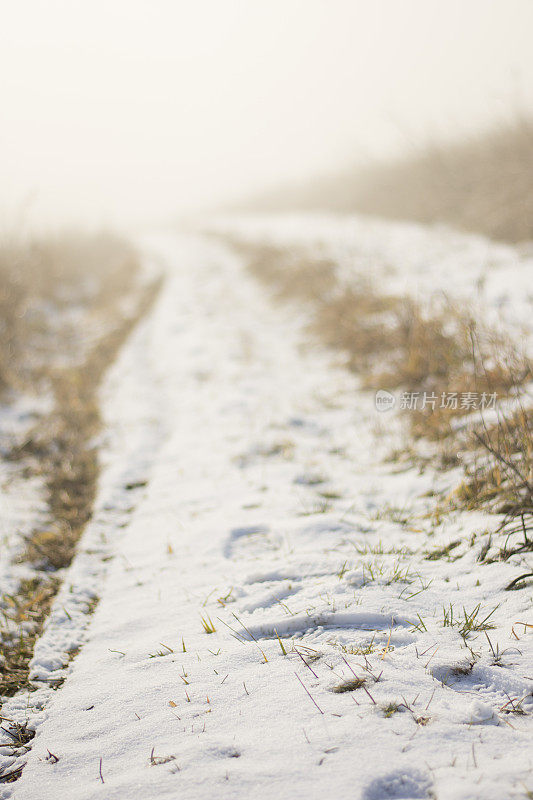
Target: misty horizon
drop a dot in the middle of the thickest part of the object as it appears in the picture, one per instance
(120, 112)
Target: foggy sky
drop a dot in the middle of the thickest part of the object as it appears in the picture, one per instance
(130, 110)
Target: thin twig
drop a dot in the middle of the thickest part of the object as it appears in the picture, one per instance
(309, 693)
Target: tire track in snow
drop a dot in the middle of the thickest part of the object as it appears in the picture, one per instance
(167, 709)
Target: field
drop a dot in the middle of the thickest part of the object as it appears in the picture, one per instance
(222, 545)
(266, 400)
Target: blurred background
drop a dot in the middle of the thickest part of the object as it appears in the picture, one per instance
(128, 111)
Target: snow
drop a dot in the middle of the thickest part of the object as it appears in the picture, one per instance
(22, 503)
(407, 258)
(232, 428)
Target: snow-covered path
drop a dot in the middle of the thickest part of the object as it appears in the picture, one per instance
(266, 511)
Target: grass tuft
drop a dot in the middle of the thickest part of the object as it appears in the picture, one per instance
(349, 685)
(207, 624)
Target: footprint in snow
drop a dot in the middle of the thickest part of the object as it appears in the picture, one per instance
(224, 751)
(244, 532)
(307, 425)
(400, 785)
(309, 479)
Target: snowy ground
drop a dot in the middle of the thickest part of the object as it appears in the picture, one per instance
(22, 504)
(244, 487)
(409, 258)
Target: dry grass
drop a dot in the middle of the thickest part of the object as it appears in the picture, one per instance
(56, 293)
(396, 343)
(61, 445)
(288, 272)
(357, 321)
(483, 183)
(503, 477)
(349, 685)
(27, 612)
(46, 281)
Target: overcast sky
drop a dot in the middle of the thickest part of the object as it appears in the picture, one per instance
(131, 110)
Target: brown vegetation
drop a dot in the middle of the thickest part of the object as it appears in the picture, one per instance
(482, 183)
(45, 348)
(395, 343)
